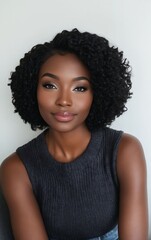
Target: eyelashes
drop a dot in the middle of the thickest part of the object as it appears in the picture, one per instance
(81, 89)
(49, 86)
(76, 89)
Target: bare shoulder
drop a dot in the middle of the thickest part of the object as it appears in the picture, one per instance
(12, 166)
(13, 175)
(10, 163)
(131, 162)
(130, 144)
(25, 215)
(133, 207)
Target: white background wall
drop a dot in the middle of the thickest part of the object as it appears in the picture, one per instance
(127, 24)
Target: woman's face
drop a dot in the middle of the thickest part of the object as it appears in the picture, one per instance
(64, 92)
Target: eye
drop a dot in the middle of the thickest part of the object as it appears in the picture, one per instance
(49, 86)
(80, 89)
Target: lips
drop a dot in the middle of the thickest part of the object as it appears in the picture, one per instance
(64, 116)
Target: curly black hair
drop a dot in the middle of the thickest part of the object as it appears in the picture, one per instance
(110, 77)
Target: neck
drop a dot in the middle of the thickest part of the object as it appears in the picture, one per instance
(66, 146)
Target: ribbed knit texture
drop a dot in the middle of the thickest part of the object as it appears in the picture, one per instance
(78, 200)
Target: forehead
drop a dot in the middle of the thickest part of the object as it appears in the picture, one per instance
(64, 63)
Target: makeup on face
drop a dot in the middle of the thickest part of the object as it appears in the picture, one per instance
(64, 92)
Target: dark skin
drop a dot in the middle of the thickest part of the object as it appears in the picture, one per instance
(68, 85)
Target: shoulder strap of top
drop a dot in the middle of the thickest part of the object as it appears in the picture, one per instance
(111, 144)
(29, 155)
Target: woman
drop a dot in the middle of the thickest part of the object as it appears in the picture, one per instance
(78, 179)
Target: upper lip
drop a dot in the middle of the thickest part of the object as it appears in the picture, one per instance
(64, 113)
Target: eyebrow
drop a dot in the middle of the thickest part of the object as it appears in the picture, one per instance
(57, 78)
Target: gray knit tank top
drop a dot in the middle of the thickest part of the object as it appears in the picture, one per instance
(78, 200)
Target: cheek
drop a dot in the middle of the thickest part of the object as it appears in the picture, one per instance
(43, 100)
(90, 100)
(85, 106)
(44, 108)
(41, 104)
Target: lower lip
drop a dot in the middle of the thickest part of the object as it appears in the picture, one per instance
(61, 118)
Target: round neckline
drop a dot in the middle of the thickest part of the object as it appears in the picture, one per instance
(78, 162)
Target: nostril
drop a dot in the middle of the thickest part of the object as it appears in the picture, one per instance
(63, 102)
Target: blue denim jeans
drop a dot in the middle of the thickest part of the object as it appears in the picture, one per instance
(111, 235)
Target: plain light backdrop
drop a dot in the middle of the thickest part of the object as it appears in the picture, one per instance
(126, 24)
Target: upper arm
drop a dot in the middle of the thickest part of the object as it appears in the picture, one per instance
(25, 216)
(131, 169)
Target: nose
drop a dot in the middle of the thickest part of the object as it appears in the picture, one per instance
(64, 99)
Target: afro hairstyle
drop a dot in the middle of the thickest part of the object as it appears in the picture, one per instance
(110, 77)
